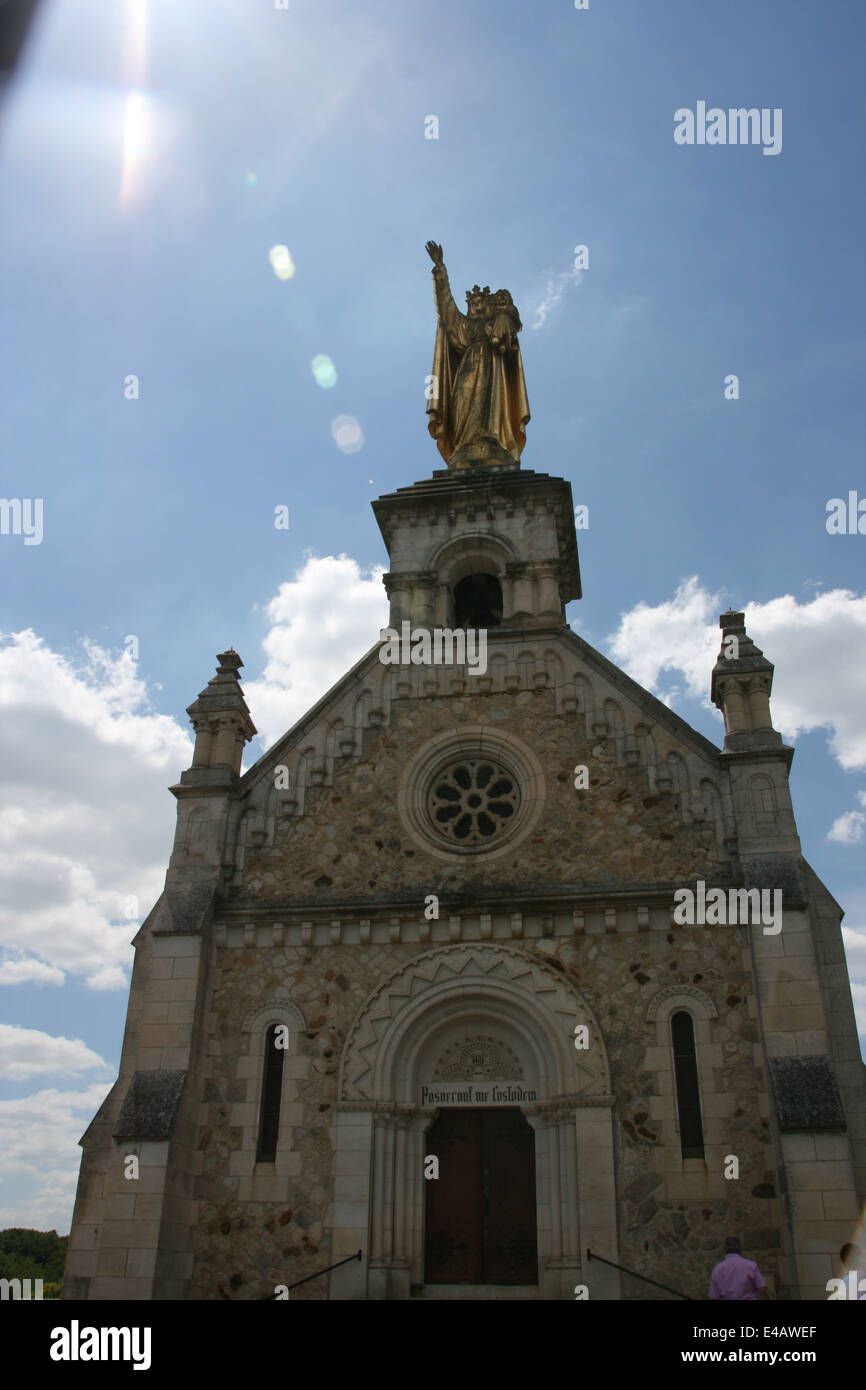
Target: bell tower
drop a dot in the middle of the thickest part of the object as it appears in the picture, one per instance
(491, 547)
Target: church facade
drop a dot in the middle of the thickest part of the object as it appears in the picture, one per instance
(442, 979)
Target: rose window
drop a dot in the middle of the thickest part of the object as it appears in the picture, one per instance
(472, 800)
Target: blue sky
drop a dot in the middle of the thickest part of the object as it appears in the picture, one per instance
(151, 156)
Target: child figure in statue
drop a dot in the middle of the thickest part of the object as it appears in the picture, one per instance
(505, 322)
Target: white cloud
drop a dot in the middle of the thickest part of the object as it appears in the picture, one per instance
(26, 1052)
(858, 992)
(848, 829)
(855, 941)
(818, 649)
(29, 971)
(108, 977)
(556, 287)
(323, 621)
(679, 635)
(85, 823)
(39, 1137)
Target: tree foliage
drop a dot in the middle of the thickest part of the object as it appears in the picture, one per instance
(26, 1254)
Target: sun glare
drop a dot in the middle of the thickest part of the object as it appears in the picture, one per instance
(136, 124)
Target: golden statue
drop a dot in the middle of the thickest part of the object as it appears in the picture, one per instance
(477, 407)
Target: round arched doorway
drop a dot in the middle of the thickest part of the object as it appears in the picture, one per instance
(460, 1071)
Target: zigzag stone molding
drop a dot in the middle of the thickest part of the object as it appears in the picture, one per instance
(291, 1015)
(551, 1002)
(689, 992)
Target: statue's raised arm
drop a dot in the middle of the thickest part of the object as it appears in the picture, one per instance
(450, 317)
(477, 404)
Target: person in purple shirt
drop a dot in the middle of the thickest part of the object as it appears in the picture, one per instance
(735, 1278)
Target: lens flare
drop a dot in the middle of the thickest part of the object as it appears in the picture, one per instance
(324, 371)
(136, 130)
(348, 435)
(281, 260)
(136, 115)
(135, 43)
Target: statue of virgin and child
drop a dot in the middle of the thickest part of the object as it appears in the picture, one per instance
(477, 404)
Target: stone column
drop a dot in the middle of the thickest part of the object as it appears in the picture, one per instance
(734, 709)
(388, 1203)
(549, 601)
(377, 1235)
(423, 598)
(568, 1150)
(415, 1198)
(542, 1191)
(225, 748)
(400, 1176)
(759, 704)
(204, 734)
(398, 1280)
(522, 590)
(554, 1169)
(440, 611)
(507, 599)
(397, 589)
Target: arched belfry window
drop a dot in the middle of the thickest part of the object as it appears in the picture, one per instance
(478, 601)
(688, 1092)
(272, 1087)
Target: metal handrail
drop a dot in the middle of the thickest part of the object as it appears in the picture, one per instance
(273, 1297)
(634, 1274)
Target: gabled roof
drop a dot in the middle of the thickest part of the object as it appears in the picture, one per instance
(590, 658)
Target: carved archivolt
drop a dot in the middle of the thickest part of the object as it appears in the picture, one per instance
(673, 997)
(275, 1011)
(500, 980)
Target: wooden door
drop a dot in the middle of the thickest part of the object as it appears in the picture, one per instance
(481, 1210)
(508, 1189)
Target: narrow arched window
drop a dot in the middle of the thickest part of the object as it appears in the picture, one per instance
(478, 602)
(688, 1094)
(272, 1086)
